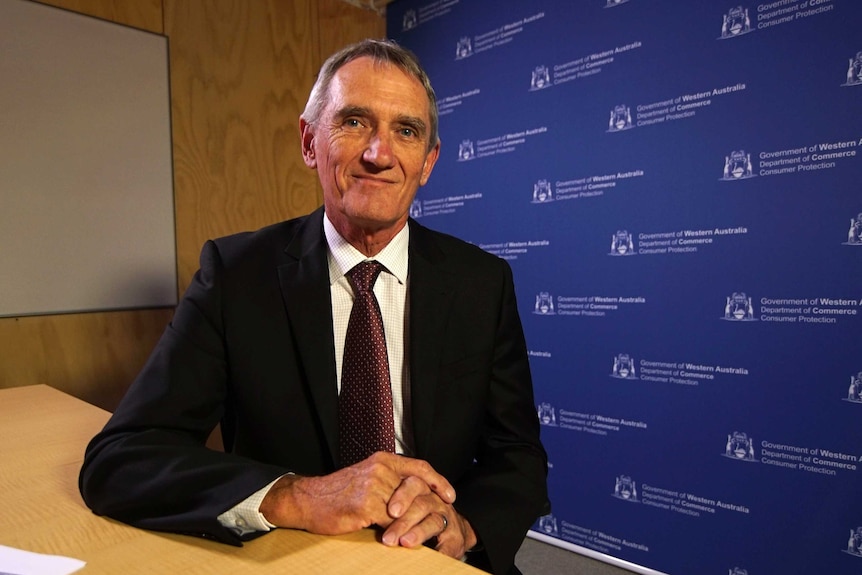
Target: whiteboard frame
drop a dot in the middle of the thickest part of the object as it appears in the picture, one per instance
(87, 217)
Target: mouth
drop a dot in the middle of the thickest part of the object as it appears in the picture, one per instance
(374, 180)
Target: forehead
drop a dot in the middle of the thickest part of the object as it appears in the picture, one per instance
(377, 86)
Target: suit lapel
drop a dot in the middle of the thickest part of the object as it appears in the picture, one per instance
(305, 289)
(431, 292)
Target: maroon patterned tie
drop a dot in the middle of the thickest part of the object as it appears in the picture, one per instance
(365, 423)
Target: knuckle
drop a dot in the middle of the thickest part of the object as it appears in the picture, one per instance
(416, 484)
(424, 503)
(376, 468)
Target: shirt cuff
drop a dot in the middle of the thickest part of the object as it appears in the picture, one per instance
(245, 517)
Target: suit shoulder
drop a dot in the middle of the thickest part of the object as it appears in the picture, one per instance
(266, 243)
(457, 252)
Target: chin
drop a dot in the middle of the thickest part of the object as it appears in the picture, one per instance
(373, 215)
(373, 223)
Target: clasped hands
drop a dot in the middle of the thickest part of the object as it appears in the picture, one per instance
(405, 496)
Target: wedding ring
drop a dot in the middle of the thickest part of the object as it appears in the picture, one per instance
(445, 523)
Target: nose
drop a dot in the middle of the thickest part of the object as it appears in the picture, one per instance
(379, 150)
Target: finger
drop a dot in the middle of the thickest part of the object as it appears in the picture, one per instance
(419, 510)
(405, 494)
(457, 538)
(451, 541)
(431, 526)
(379, 473)
(407, 466)
(375, 483)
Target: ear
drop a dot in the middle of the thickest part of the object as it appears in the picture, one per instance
(430, 160)
(306, 132)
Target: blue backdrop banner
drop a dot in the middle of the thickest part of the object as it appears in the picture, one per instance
(676, 185)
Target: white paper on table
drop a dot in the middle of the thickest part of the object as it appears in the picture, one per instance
(19, 562)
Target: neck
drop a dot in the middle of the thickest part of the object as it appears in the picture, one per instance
(370, 243)
(368, 240)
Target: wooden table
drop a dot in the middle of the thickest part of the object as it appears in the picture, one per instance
(43, 433)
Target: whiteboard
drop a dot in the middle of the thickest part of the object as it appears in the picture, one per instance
(86, 186)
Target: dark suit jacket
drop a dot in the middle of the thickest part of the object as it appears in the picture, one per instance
(251, 346)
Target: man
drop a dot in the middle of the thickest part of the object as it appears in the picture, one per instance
(259, 343)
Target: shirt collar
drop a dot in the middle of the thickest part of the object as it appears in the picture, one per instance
(341, 256)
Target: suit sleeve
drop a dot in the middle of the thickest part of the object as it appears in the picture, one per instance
(149, 466)
(505, 491)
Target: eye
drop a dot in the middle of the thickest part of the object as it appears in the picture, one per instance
(352, 123)
(412, 131)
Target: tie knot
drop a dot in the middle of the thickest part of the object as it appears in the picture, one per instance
(363, 275)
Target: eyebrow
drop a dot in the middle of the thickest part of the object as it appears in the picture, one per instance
(348, 111)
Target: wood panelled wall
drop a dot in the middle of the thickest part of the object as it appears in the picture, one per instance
(240, 74)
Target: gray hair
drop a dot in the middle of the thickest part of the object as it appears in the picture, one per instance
(382, 52)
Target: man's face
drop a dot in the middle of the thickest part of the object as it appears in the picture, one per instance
(370, 146)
